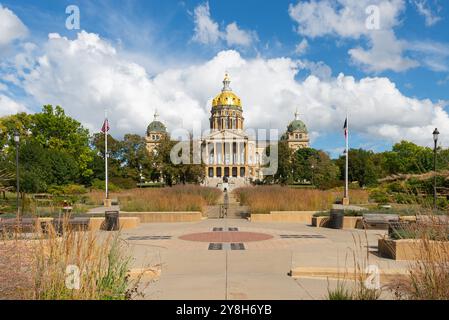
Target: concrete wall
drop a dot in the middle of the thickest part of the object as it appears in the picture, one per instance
(148, 217)
(283, 216)
(348, 222)
(125, 223)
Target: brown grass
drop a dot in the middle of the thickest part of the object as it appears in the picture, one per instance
(263, 199)
(37, 268)
(428, 276)
(178, 198)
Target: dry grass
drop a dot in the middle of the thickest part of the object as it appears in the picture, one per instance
(428, 276)
(263, 199)
(178, 198)
(37, 268)
(353, 285)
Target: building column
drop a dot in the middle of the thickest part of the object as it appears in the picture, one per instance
(207, 153)
(238, 153)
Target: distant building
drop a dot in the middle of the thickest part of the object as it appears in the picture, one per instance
(296, 135)
(156, 131)
(232, 156)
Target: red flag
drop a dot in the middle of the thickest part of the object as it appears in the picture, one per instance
(105, 127)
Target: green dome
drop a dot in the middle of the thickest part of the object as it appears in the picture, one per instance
(297, 125)
(156, 126)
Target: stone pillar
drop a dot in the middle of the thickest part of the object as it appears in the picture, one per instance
(238, 153)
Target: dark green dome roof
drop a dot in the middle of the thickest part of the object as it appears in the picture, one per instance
(297, 125)
(156, 126)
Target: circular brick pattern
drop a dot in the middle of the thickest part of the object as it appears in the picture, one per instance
(226, 236)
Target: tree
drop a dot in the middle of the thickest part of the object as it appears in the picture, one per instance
(52, 129)
(407, 157)
(175, 173)
(284, 173)
(361, 167)
(315, 166)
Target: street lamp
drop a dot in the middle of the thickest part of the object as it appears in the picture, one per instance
(312, 167)
(435, 140)
(17, 140)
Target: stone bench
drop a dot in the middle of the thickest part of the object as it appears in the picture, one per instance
(379, 220)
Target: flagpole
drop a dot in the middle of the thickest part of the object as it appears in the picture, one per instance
(346, 197)
(106, 153)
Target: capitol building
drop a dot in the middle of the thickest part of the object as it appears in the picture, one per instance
(230, 153)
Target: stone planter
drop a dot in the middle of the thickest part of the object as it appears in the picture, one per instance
(407, 249)
(348, 222)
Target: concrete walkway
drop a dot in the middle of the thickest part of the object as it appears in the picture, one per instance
(189, 270)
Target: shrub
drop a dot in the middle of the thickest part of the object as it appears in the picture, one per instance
(98, 184)
(379, 196)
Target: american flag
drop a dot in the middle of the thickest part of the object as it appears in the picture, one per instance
(105, 127)
(345, 127)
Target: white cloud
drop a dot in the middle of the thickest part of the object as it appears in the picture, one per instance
(236, 36)
(347, 19)
(424, 9)
(11, 27)
(302, 47)
(385, 53)
(86, 75)
(207, 31)
(9, 106)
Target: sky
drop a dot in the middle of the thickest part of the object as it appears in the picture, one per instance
(384, 62)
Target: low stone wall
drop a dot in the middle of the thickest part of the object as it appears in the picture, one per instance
(96, 223)
(283, 216)
(407, 249)
(348, 222)
(149, 217)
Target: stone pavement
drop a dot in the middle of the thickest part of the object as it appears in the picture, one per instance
(208, 269)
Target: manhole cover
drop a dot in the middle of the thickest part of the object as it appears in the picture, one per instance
(226, 236)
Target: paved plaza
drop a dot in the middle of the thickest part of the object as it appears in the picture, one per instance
(239, 259)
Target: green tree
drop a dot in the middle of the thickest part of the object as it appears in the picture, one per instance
(54, 130)
(361, 167)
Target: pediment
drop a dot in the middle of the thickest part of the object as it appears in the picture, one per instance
(226, 135)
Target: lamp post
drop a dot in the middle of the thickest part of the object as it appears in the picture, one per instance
(312, 167)
(435, 140)
(17, 140)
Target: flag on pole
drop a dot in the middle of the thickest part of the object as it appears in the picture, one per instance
(105, 128)
(345, 127)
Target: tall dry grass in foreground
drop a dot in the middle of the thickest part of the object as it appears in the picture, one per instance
(37, 268)
(263, 199)
(428, 276)
(177, 198)
(352, 284)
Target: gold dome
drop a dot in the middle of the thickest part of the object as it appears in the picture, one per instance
(226, 97)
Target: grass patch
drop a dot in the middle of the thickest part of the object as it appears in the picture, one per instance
(174, 199)
(40, 268)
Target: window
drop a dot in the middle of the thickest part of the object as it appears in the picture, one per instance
(219, 172)
(211, 172)
(234, 172)
(226, 171)
(242, 171)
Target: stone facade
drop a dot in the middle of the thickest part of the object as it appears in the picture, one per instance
(232, 157)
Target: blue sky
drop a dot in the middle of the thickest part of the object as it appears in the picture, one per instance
(317, 56)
